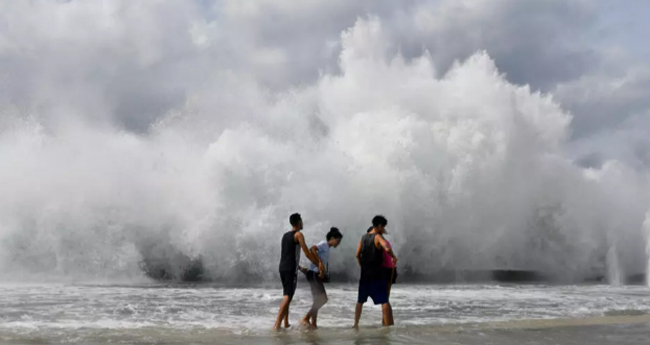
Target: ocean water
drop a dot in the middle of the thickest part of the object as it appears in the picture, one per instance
(424, 314)
(474, 172)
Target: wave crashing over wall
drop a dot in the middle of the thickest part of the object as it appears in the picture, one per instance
(469, 169)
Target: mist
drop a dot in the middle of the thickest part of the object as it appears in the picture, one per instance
(133, 142)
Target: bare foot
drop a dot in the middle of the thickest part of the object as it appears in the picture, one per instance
(306, 324)
(286, 325)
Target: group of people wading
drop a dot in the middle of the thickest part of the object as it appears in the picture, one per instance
(374, 255)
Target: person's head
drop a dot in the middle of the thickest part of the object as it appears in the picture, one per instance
(334, 237)
(296, 221)
(379, 224)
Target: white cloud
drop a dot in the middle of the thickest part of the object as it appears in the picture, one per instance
(187, 118)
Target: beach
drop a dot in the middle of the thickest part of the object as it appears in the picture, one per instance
(424, 314)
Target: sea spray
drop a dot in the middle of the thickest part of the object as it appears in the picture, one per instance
(614, 274)
(646, 227)
(468, 168)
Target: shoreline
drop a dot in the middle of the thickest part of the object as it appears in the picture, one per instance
(326, 334)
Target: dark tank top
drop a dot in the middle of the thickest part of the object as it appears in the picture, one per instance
(371, 258)
(290, 256)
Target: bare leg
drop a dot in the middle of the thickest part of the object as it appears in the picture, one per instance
(305, 320)
(390, 284)
(319, 302)
(314, 317)
(387, 315)
(283, 313)
(383, 319)
(357, 314)
(286, 318)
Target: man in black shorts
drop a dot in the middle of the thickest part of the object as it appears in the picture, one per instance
(292, 242)
(372, 283)
(315, 279)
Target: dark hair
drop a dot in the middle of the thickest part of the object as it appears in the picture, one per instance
(379, 220)
(294, 219)
(370, 229)
(334, 233)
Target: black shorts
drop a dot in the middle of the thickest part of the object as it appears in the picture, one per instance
(375, 289)
(289, 283)
(316, 284)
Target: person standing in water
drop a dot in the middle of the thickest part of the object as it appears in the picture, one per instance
(388, 267)
(315, 279)
(372, 283)
(292, 242)
(390, 271)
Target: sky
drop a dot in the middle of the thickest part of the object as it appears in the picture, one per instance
(128, 64)
(513, 130)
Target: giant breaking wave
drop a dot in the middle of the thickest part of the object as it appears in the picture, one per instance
(469, 169)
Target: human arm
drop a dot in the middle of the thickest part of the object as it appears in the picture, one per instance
(359, 254)
(301, 241)
(321, 267)
(381, 242)
(314, 252)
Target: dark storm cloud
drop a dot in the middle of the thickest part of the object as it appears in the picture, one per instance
(604, 103)
(119, 60)
(129, 63)
(141, 61)
(534, 42)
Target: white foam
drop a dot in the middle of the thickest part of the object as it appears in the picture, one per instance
(469, 169)
(74, 310)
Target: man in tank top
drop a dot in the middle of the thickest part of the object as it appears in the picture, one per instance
(390, 270)
(372, 283)
(292, 242)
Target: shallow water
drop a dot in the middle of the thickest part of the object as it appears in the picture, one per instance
(445, 314)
